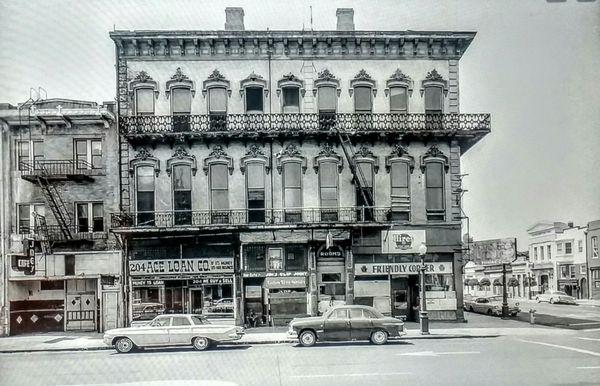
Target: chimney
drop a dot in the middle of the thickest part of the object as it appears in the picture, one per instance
(345, 19)
(234, 19)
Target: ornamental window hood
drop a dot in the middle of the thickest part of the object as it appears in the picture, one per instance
(399, 79)
(363, 79)
(216, 80)
(254, 80)
(179, 80)
(143, 80)
(326, 79)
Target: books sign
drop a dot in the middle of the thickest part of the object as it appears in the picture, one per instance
(180, 266)
(402, 241)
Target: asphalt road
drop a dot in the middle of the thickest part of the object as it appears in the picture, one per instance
(563, 357)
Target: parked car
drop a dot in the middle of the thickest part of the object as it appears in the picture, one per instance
(556, 297)
(173, 330)
(145, 312)
(468, 300)
(492, 305)
(345, 323)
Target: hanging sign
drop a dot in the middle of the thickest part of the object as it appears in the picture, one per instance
(402, 241)
(180, 266)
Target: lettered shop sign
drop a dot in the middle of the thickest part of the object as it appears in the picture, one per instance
(402, 268)
(180, 266)
(402, 241)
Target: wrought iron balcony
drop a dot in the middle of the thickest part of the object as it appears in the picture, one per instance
(58, 170)
(53, 233)
(251, 218)
(305, 123)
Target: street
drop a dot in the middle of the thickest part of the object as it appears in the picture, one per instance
(539, 358)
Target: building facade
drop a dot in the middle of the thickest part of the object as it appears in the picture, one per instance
(291, 170)
(61, 267)
(570, 267)
(592, 259)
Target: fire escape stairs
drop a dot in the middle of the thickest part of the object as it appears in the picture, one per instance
(56, 204)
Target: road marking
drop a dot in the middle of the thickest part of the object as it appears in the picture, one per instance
(591, 330)
(563, 347)
(588, 367)
(435, 354)
(348, 375)
(595, 339)
(582, 324)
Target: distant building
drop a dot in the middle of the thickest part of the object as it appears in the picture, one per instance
(593, 259)
(58, 183)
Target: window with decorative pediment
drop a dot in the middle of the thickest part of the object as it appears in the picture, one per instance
(327, 90)
(290, 89)
(434, 88)
(292, 165)
(328, 164)
(434, 164)
(254, 91)
(180, 89)
(363, 88)
(145, 168)
(399, 88)
(181, 167)
(218, 166)
(255, 164)
(367, 165)
(400, 165)
(144, 90)
(218, 90)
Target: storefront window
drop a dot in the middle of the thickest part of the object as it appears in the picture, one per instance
(275, 259)
(255, 257)
(295, 258)
(438, 282)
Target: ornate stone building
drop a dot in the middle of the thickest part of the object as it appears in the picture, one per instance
(291, 170)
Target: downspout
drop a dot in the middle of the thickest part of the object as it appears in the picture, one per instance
(4, 317)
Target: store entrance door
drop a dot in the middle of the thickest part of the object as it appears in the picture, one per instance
(196, 301)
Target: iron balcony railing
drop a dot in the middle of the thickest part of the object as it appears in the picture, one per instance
(247, 217)
(303, 122)
(53, 233)
(52, 168)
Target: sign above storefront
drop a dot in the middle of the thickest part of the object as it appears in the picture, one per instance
(180, 266)
(333, 252)
(285, 282)
(275, 274)
(402, 241)
(402, 268)
(147, 283)
(212, 280)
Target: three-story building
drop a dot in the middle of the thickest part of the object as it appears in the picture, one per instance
(291, 170)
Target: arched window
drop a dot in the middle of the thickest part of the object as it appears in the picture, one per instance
(144, 90)
(434, 87)
(290, 88)
(400, 165)
(399, 89)
(254, 90)
(181, 178)
(292, 165)
(218, 90)
(145, 195)
(328, 164)
(327, 90)
(434, 165)
(367, 165)
(218, 165)
(363, 88)
(255, 164)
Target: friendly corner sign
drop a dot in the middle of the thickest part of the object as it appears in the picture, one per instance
(402, 241)
(402, 268)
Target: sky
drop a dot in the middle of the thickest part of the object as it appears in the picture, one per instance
(533, 65)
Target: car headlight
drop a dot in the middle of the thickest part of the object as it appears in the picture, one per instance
(516, 304)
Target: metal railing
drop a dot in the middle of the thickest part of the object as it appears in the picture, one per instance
(54, 233)
(246, 217)
(303, 122)
(48, 168)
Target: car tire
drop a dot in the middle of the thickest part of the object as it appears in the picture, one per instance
(471, 309)
(489, 312)
(379, 337)
(538, 299)
(307, 338)
(124, 345)
(513, 314)
(201, 343)
(551, 301)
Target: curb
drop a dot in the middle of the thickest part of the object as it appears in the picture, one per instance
(275, 341)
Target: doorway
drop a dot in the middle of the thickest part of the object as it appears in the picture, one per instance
(196, 301)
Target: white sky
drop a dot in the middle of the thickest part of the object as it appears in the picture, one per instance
(533, 65)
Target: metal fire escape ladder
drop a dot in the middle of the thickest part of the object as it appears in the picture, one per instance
(357, 174)
(42, 229)
(56, 204)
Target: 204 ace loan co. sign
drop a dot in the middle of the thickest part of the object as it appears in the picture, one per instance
(180, 266)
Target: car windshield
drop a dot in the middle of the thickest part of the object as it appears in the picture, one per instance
(495, 298)
(199, 320)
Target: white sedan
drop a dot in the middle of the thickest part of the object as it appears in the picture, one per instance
(173, 330)
(555, 297)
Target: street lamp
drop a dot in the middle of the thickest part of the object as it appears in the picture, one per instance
(423, 317)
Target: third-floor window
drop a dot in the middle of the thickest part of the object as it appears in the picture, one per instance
(291, 99)
(90, 216)
(182, 194)
(434, 184)
(88, 153)
(434, 100)
(217, 100)
(363, 102)
(254, 100)
(144, 101)
(398, 100)
(327, 100)
(28, 152)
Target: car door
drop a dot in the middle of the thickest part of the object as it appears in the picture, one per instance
(360, 324)
(180, 332)
(156, 333)
(480, 305)
(337, 325)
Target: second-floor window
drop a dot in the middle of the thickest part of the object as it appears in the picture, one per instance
(363, 102)
(434, 196)
(217, 101)
(88, 153)
(181, 108)
(144, 101)
(327, 100)
(26, 214)
(535, 253)
(559, 247)
(568, 248)
(145, 195)
(219, 192)
(292, 191)
(549, 251)
(434, 100)
(542, 253)
(580, 245)
(291, 99)
(255, 184)
(90, 216)
(365, 199)
(400, 191)
(28, 152)
(328, 190)
(182, 194)
(594, 242)
(254, 100)
(398, 100)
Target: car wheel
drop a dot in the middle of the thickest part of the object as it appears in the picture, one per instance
(513, 314)
(201, 343)
(538, 299)
(551, 301)
(307, 338)
(124, 345)
(489, 312)
(379, 337)
(471, 309)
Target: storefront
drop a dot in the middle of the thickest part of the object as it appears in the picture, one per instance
(202, 285)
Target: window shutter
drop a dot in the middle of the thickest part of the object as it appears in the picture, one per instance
(217, 100)
(398, 99)
(362, 99)
(327, 98)
(181, 100)
(144, 103)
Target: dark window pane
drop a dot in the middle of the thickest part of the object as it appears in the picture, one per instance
(327, 99)
(181, 101)
(82, 217)
(398, 99)
(182, 200)
(254, 99)
(144, 101)
(362, 99)
(291, 99)
(433, 99)
(434, 175)
(70, 265)
(24, 220)
(435, 198)
(217, 101)
(145, 201)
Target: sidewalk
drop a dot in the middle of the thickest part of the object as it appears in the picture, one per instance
(478, 327)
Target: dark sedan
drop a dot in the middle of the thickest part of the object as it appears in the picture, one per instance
(346, 323)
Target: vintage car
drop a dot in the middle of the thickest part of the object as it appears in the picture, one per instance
(144, 312)
(468, 300)
(345, 323)
(492, 305)
(556, 297)
(173, 330)
(224, 305)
